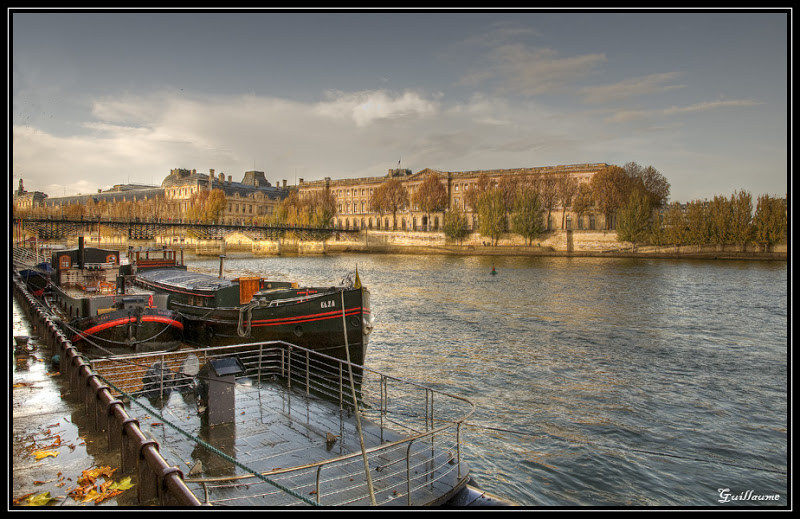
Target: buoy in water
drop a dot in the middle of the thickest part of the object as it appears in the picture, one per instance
(494, 272)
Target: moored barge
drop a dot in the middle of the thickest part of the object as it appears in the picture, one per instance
(221, 312)
(85, 291)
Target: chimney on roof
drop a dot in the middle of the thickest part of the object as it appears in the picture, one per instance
(210, 178)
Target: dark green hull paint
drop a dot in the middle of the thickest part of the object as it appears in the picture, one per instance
(309, 317)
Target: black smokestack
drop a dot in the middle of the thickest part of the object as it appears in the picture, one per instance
(81, 252)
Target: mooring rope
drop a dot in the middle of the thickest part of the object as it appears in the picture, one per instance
(355, 402)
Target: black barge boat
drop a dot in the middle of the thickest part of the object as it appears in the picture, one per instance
(221, 312)
(85, 290)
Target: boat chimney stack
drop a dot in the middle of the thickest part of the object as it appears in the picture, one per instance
(221, 264)
(81, 252)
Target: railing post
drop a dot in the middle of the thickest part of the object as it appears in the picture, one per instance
(408, 473)
(289, 368)
(319, 492)
(308, 373)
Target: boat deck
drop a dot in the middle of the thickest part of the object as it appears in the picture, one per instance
(284, 445)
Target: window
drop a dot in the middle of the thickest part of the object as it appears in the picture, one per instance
(64, 261)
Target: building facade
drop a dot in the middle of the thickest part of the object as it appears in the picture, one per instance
(354, 196)
(255, 199)
(25, 200)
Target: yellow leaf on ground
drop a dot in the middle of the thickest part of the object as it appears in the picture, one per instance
(40, 500)
(44, 454)
(123, 484)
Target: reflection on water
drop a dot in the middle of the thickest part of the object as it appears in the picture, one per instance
(598, 382)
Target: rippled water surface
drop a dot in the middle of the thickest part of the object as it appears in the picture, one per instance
(598, 382)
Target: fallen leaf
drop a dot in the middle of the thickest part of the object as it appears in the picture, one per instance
(18, 501)
(44, 454)
(123, 484)
(40, 500)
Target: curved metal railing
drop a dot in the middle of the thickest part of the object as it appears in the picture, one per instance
(412, 438)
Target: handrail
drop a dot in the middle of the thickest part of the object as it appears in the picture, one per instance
(442, 419)
(157, 479)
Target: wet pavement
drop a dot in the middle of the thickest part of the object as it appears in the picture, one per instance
(54, 428)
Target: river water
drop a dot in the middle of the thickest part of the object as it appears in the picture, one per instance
(600, 382)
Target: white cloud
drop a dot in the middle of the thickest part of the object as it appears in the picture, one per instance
(520, 70)
(710, 105)
(625, 115)
(644, 85)
(138, 139)
(365, 108)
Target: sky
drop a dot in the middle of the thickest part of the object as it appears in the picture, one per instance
(100, 98)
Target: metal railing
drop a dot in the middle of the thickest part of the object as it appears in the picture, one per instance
(412, 438)
(157, 480)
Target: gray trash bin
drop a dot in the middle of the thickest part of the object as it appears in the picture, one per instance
(218, 378)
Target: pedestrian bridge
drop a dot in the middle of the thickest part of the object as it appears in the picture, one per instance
(148, 229)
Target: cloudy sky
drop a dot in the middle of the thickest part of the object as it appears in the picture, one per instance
(103, 98)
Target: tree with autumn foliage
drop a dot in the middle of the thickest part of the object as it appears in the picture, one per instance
(547, 185)
(431, 196)
(567, 190)
(455, 224)
(321, 207)
(675, 228)
(207, 207)
(741, 224)
(492, 214)
(583, 202)
(610, 189)
(655, 185)
(634, 219)
(389, 197)
(769, 222)
(471, 195)
(527, 218)
(314, 209)
(698, 226)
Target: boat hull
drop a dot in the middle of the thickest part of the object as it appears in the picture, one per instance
(125, 331)
(320, 323)
(37, 278)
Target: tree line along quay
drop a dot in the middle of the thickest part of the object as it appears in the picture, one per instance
(574, 208)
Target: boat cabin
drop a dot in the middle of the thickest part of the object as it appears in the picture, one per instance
(204, 290)
(90, 269)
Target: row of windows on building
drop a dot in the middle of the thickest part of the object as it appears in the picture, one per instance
(413, 223)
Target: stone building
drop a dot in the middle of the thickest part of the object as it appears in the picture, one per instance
(25, 201)
(353, 196)
(253, 197)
